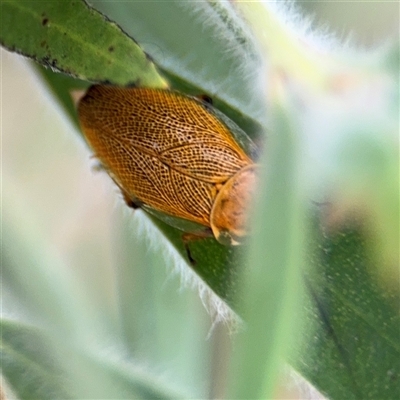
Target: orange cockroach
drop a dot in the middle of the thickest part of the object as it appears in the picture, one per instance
(173, 155)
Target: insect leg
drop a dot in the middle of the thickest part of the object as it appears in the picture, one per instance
(191, 237)
(205, 98)
(131, 202)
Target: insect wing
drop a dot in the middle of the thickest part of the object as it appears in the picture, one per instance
(161, 147)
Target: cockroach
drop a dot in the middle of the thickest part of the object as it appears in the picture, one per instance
(175, 156)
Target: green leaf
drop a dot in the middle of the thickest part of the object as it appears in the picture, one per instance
(201, 43)
(352, 349)
(71, 37)
(269, 286)
(29, 363)
(36, 365)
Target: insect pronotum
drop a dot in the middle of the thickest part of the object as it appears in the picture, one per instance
(173, 155)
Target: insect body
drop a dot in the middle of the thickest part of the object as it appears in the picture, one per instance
(172, 154)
